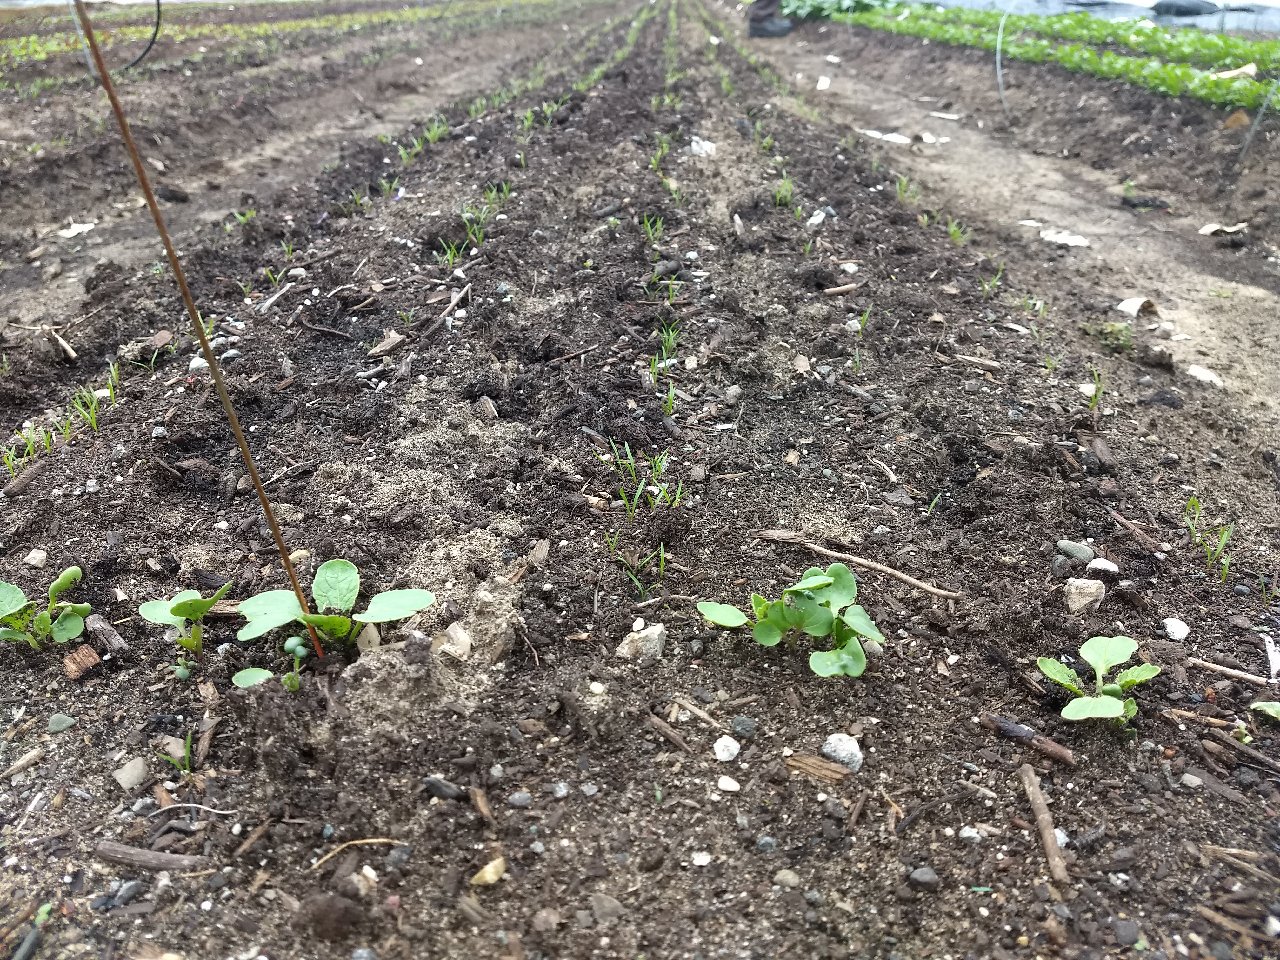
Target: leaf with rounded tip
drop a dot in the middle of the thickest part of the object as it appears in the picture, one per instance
(336, 586)
(1130, 708)
(12, 600)
(68, 626)
(161, 611)
(396, 605)
(17, 636)
(810, 583)
(766, 634)
(723, 614)
(1270, 707)
(847, 661)
(67, 579)
(1061, 674)
(1130, 678)
(861, 623)
(842, 591)
(266, 611)
(194, 608)
(815, 619)
(1106, 653)
(332, 625)
(251, 677)
(1093, 708)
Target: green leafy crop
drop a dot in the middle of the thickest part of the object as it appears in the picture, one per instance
(1108, 701)
(821, 605)
(335, 589)
(185, 612)
(22, 620)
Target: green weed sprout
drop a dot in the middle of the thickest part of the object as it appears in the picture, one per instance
(185, 766)
(85, 402)
(652, 227)
(436, 130)
(185, 612)
(784, 192)
(60, 621)
(958, 233)
(1095, 398)
(335, 589)
(821, 605)
(1108, 700)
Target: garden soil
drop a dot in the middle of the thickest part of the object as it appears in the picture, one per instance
(510, 774)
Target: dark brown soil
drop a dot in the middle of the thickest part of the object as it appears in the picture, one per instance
(475, 461)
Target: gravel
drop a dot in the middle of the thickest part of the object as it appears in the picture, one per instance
(844, 750)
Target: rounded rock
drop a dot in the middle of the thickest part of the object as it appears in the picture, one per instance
(521, 800)
(1077, 551)
(844, 750)
(787, 878)
(726, 749)
(924, 878)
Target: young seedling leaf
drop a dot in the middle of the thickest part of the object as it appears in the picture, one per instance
(1130, 708)
(396, 605)
(766, 634)
(860, 622)
(723, 614)
(330, 623)
(195, 607)
(1106, 653)
(1061, 674)
(16, 636)
(849, 660)
(251, 677)
(815, 619)
(12, 599)
(842, 590)
(162, 611)
(336, 586)
(267, 611)
(1093, 708)
(759, 606)
(68, 626)
(1270, 707)
(67, 579)
(814, 582)
(1126, 680)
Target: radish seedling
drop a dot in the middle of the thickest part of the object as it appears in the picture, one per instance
(185, 612)
(820, 605)
(60, 621)
(1108, 700)
(335, 588)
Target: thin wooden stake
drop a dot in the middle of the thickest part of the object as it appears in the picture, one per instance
(197, 326)
(1044, 823)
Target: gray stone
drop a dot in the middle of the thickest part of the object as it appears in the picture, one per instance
(132, 775)
(1077, 551)
(36, 558)
(646, 644)
(560, 790)
(60, 721)
(128, 892)
(521, 799)
(1175, 629)
(1191, 781)
(1060, 567)
(843, 749)
(443, 789)
(1083, 594)
(766, 844)
(744, 728)
(398, 858)
(787, 878)
(925, 878)
(363, 953)
(1127, 932)
(606, 908)
(589, 789)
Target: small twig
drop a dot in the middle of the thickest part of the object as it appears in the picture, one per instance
(573, 356)
(1138, 535)
(438, 322)
(1032, 738)
(893, 477)
(843, 288)
(1256, 756)
(790, 536)
(666, 730)
(352, 843)
(192, 806)
(1197, 718)
(1044, 823)
(856, 813)
(698, 712)
(1229, 672)
(329, 330)
(930, 805)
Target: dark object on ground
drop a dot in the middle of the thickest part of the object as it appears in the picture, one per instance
(1184, 8)
(772, 28)
(1144, 203)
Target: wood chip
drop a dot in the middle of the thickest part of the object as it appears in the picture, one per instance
(141, 859)
(256, 834)
(80, 661)
(28, 759)
(980, 362)
(101, 630)
(817, 767)
(391, 342)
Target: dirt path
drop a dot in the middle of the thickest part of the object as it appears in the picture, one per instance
(1222, 310)
(578, 371)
